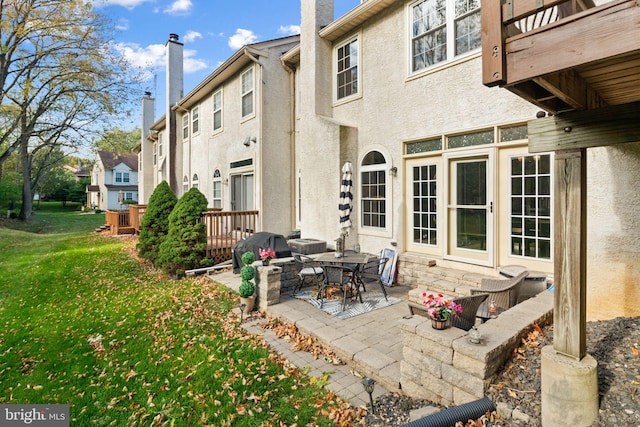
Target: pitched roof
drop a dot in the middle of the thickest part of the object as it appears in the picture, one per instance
(110, 160)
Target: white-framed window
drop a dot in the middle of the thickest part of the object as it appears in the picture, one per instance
(122, 177)
(442, 30)
(373, 191)
(217, 110)
(195, 121)
(155, 153)
(347, 68)
(217, 189)
(531, 213)
(425, 204)
(185, 127)
(247, 82)
(160, 139)
(185, 184)
(128, 196)
(194, 180)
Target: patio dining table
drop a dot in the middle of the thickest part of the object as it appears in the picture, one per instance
(351, 261)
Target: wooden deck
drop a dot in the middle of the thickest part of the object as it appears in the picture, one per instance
(563, 55)
(224, 228)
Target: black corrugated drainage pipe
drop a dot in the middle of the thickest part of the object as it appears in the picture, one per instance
(450, 416)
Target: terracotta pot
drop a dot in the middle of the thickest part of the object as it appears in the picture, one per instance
(440, 324)
(249, 303)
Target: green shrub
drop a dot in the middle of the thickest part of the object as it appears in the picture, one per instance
(155, 222)
(247, 272)
(184, 247)
(248, 258)
(246, 288)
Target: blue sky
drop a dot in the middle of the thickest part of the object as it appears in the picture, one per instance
(211, 30)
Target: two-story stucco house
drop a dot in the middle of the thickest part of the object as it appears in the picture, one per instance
(442, 166)
(114, 181)
(231, 136)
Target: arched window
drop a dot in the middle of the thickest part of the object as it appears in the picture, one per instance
(373, 190)
(185, 184)
(194, 181)
(217, 189)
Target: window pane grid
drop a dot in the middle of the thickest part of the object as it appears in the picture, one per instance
(373, 200)
(531, 206)
(424, 205)
(347, 69)
(217, 110)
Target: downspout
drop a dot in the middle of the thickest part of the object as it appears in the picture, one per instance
(189, 175)
(260, 139)
(292, 139)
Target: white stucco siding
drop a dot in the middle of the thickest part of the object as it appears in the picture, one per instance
(394, 107)
(275, 145)
(613, 224)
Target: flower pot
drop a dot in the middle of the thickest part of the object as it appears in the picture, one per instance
(440, 324)
(249, 303)
(266, 261)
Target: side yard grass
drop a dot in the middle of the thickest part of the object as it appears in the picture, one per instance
(85, 323)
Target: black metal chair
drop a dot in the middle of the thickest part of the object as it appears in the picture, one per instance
(470, 304)
(309, 269)
(336, 276)
(371, 273)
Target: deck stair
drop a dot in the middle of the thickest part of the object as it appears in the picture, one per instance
(104, 227)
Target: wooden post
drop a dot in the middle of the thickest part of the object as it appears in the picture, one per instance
(492, 33)
(570, 218)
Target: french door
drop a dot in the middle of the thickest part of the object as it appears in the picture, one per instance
(242, 192)
(470, 208)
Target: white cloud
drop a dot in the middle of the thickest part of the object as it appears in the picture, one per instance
(129, 4)
(192, 36)
(241, 37)
(192, 64)
(153, 57)
(122, 24)
(179, 7)
(289, 30)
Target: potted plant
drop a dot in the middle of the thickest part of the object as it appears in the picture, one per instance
(440, 310)
(247, 288)
(266, 255)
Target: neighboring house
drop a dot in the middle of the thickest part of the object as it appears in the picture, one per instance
(114, 181)
(231, 136)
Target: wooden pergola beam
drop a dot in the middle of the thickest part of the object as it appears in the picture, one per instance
(583, 129)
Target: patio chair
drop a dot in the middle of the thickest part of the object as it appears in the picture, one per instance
(371, 273)
(336, 276)
(503, 292)
(470, 304)
(310, 271)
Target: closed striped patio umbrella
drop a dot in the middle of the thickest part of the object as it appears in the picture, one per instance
(346, 199)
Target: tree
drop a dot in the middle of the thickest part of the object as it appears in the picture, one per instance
(185, 246)
(155, 222)
(58, 78)
(118, 141)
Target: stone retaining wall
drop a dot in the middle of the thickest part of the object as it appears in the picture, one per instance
(444, 367)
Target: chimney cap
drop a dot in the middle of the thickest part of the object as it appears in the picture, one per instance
(173, 37)
(147, 93)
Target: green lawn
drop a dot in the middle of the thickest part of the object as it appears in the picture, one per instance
(84, 323)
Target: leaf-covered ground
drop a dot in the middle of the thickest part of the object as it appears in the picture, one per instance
(85, 323)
